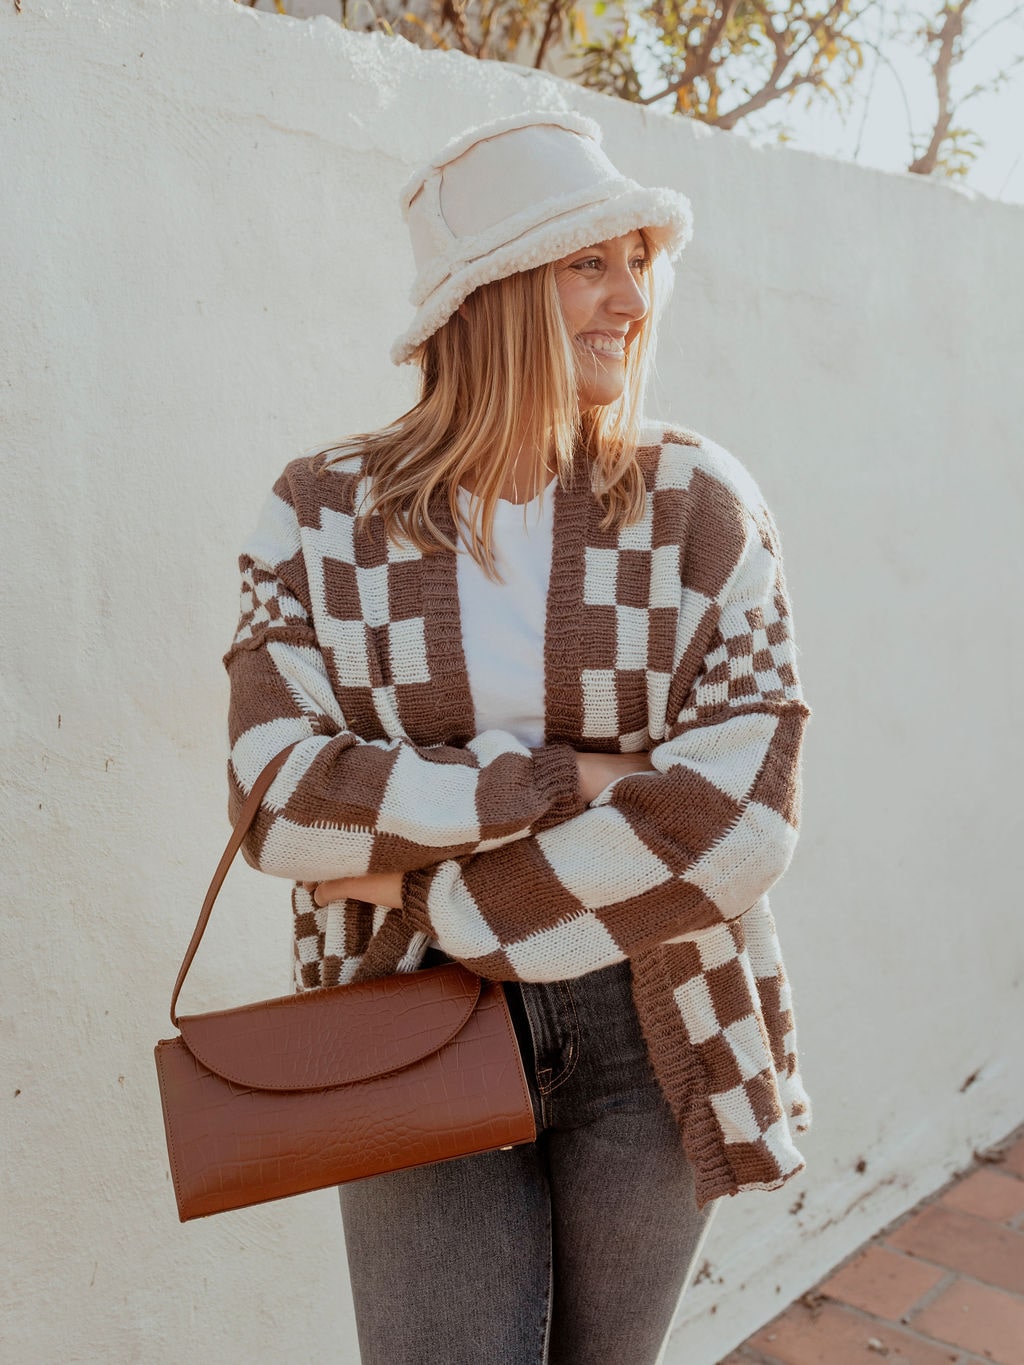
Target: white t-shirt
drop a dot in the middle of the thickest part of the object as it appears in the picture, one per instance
(503, 623)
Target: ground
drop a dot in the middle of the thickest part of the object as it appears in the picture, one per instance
(944, 1285)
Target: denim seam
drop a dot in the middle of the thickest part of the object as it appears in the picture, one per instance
(538, 1071)
(545, 1344)
(573, 1051)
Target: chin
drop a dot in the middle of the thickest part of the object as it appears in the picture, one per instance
(600, 398)
(600, 381)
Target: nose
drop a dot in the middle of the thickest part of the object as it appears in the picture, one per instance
(628, 299)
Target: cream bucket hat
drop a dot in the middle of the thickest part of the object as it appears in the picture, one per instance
(515, 194)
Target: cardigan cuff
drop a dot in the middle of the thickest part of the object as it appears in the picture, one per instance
(557, 774)
(415, 888)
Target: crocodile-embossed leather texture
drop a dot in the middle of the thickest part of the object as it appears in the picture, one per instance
(232, 1145)
(335, 1036)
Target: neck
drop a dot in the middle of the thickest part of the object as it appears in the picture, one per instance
(527, 474)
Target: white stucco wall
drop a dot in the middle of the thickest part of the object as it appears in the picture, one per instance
(201, 268)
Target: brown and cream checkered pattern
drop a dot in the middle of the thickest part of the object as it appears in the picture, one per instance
(671, 635)
(351, 645)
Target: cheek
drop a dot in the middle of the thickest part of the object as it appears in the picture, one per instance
(572, 296)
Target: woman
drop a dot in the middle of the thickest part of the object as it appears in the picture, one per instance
(539, 654)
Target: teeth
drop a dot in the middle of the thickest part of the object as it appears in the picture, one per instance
(605, 345)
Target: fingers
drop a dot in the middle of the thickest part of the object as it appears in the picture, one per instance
(376, 888)
(325, 892)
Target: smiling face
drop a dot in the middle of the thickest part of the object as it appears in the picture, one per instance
(602, 290)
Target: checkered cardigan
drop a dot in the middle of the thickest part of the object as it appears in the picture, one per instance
(671, 635)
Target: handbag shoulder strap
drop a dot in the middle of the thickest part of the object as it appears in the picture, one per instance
(245, 818)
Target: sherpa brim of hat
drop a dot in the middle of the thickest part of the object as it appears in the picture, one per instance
(517, 193)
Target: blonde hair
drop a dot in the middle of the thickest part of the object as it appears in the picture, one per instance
(500, 373)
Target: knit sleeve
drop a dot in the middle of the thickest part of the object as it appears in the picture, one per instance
(341, 805)
(658, 855)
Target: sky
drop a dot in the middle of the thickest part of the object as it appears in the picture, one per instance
(875, 130)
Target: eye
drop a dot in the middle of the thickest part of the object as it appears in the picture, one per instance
(586, 262)
(640, 263)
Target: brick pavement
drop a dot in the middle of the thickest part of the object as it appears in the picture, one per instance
(943, 1285)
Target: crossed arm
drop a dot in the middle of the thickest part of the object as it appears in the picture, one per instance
(343, 806)
(507, 855)
(596, 772)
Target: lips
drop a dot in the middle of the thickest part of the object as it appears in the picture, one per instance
(603, 343)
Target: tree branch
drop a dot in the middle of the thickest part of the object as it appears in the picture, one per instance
(1006, 18)
(946, 36)
(454, 13)
(548, 34)
(899, 85)
(766, 95)
(698, 59)
(871, 84)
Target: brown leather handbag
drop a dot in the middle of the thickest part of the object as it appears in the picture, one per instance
(294, 1094)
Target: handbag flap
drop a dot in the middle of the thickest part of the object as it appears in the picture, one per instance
(337, 1035)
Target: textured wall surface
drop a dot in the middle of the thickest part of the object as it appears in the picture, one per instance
(202, 267)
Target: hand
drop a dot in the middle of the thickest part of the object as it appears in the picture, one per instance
(385, 888)
(598, 770)
(377, 888)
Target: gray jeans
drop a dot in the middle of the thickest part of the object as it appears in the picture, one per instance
(573, 1250)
